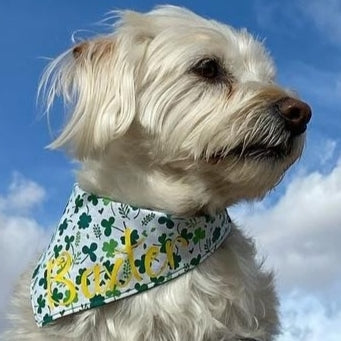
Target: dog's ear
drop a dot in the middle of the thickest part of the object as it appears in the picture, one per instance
(96, 79)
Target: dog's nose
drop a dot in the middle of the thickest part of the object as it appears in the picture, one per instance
(296, 114)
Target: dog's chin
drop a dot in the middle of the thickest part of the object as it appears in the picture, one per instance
(285, 152)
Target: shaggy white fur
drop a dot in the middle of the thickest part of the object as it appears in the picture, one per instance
(181, 114)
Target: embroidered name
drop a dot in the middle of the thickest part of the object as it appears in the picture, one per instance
(101, 279)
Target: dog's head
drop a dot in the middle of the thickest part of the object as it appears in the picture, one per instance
(188, 100)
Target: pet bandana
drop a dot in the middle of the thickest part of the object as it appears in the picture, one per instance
(103, 251)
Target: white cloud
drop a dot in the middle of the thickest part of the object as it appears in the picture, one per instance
(302, 231)
(22, 196)
(300, 237)
(21, 236)
(305, 318)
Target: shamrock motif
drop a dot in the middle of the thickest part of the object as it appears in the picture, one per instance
(140, 287)
(56, 250)
(96, 301)
(79, 203)
(79, 277)
(134, 237)
(106, 201)
(56, 296)
(84, 221)
(216, 234)
(185, 235)
(166, 220)
(109, 266)
(62, 227)
(93, 198)
(195, 261)
(108, 225)
(177, 260)
(90, 251)
(67, 297)
(140, 263)
(41, 303)
(113, 293)
(68, 240)
(158, 280)
(46, 319)
(110, 247)
(162, 240)
(42, 281)
(199, 234)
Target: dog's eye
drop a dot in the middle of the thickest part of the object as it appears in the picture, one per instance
(207, 68)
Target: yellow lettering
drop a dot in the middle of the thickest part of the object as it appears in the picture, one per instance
(170, 249)
(63, 264)
(151, 254)
(129, 250)
(113, 275)
(96, 272)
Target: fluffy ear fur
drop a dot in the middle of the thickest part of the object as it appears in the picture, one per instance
(97, 83)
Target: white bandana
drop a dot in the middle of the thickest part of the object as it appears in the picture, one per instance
(103, 251)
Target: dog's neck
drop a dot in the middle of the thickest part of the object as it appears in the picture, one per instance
(125, 172)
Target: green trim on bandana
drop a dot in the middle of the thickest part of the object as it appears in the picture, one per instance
(103, 251)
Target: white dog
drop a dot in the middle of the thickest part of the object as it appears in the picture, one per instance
(168, 113)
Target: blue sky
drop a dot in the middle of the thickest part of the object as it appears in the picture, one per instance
(304, 38)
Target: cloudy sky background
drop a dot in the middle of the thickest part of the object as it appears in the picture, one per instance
(297, 227)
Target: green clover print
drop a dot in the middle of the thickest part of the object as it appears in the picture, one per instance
(108, 225)
(96, 301)
(47, 319)
(79, 203)
(195, 261)
(56, 250)
(89, 251)
(185, 235)
(134, 237)
(79, 277)
(56, 296)
(157, 280)
(166, 220)
(84, 221)
(162, 240)
(216, 234)
(92, 198)
(43, 281)
(62, 227)
(41, 303)
(110, 247)
(113, 293)
(68, 240)
(140, 287)
(109, 266)
(140, 263)
(199, 234)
